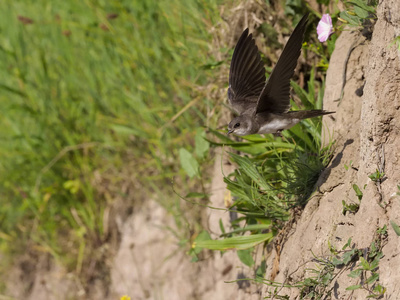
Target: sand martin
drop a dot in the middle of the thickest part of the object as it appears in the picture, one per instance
(263, 106)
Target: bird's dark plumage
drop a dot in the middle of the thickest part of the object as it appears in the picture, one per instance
(246, 75)
(264, 105)
(275, 96)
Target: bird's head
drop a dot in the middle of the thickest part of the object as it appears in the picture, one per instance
(241, 125)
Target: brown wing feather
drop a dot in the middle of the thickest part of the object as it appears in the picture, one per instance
(246, 75)
(275, 96)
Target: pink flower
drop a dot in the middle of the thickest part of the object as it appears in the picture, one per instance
(324, 28)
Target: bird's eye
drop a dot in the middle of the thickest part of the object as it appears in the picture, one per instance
(236, 125)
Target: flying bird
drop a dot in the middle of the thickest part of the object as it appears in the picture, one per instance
(263, 105)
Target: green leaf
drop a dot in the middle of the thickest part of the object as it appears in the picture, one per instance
(379, 289)
(375, 263)
(382, 231)
(188, 163)
(395, 227)
(355, 273)
(237, 242)
(331, 42)
(202, 145)
(260, 272)
(353, 287)
(326, 279)
(221, 136)
(365, 265)
(352, 20)
(361, 13)
(304, 97)
(122, 129)
(72, 186)
(376, 176)
(337, 262)
(362, 5)
(298, 131)
(252, 227)
(246, 257)
(348, 244)
(221, 226)
(348, 256)
(372, 278)
(203, 236)
(248, 167)
(358, 191)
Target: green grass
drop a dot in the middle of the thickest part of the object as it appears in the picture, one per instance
(93, 111)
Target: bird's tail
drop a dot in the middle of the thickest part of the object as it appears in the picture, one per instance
(305, 114)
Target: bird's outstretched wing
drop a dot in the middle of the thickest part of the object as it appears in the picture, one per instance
(275, 97)
(246, 75)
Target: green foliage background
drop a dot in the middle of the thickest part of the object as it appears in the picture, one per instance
(92, 96)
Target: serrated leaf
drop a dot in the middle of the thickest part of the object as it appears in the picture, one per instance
(246, 257)
(188, 163)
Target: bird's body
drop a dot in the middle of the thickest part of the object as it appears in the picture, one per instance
(263, 105)
(271, 123)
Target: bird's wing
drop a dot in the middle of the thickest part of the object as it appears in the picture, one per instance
(275, 97)
(246, 75)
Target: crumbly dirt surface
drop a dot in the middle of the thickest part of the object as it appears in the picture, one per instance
(366, 130)
(149, 264)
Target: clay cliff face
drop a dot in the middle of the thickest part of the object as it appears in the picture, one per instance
(366, 130)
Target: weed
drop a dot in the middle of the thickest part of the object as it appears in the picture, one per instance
(351, 208)
(275, 174)
(362, 264)
(377, 176)
(357, 12)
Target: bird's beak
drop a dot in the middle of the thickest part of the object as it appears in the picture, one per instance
(230, 131)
